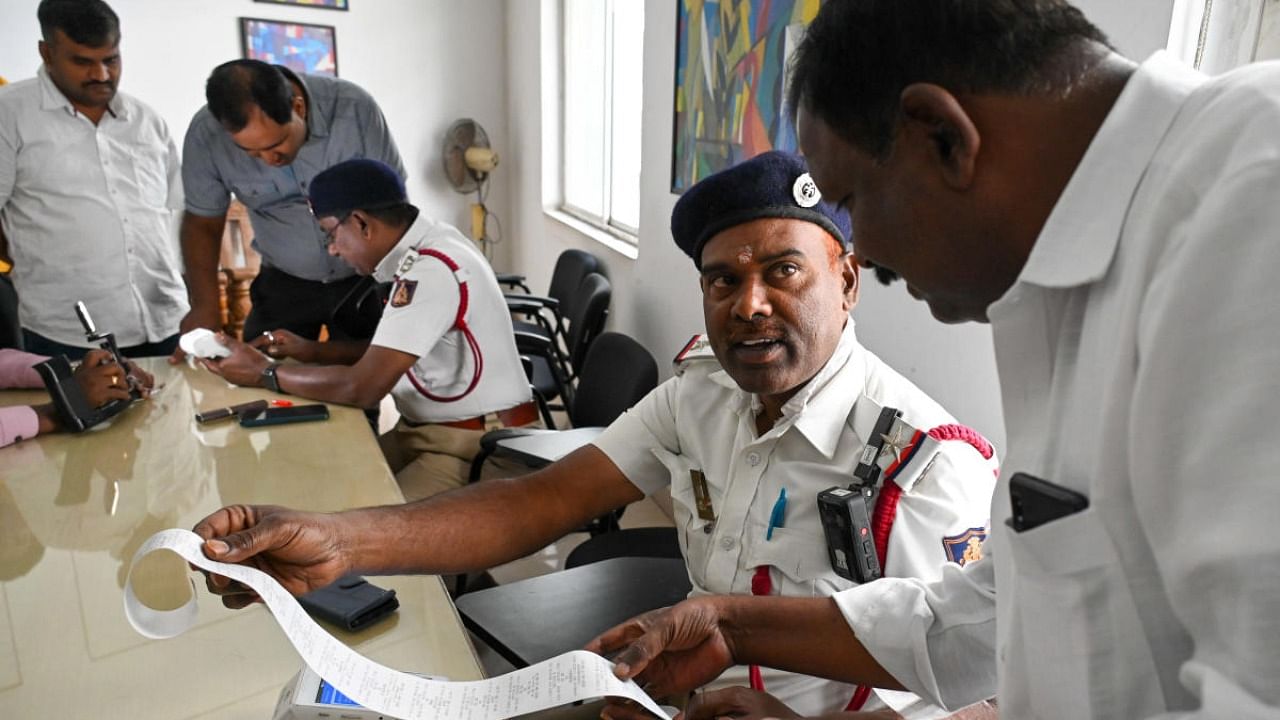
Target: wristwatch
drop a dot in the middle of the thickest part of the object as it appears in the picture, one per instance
(269, 379)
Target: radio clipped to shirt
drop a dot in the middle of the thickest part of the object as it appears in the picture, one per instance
(846, 512)
(73, 408)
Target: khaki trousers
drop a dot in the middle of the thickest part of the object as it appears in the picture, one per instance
(430, 459)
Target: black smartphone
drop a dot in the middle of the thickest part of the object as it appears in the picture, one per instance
(1035, 502)
(282, 415)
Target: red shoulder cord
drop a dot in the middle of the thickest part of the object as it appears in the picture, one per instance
(882, 518)
(459, 324)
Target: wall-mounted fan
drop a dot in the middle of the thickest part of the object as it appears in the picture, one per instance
(468, 160)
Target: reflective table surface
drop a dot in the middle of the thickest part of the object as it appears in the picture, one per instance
(74, 508)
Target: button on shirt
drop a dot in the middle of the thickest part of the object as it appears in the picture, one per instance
(1139, 358)
(424, 327)
(88, 211)
(343, 122)
(702, 421)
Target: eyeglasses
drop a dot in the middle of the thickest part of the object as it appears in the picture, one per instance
(331, 232)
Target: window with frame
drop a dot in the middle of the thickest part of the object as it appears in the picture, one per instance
(602, 94)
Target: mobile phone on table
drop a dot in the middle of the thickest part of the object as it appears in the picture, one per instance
(282, 415)
(1035, 502)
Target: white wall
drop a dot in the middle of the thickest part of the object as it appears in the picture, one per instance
(427, 62)
(656, 297)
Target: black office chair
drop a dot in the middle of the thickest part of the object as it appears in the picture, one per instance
(616, 374)
(555, 368)
(652, 542)
(10, 330)
(546, 315)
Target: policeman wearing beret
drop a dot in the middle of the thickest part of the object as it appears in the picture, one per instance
(778, 403)
(444, 347)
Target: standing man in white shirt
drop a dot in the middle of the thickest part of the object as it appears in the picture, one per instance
(89, 190)
(1116, 225)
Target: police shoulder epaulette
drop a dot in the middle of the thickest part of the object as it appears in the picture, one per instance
(410, 257)
(697, 349)
(904, 454)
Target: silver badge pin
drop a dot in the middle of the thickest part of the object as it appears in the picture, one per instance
(805, 191)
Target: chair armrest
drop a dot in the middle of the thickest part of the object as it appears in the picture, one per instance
(490, 440)
(530, 303)
(534, 344)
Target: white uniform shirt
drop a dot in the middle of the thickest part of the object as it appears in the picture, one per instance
(423, 325)
(701, 420)
(88, 211)
(1139, 358)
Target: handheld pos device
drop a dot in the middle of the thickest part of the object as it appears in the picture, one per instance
(310, 697)
(846, 512)
(72, 406)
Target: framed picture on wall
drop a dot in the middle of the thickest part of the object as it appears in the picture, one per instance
(326, 4)
(301, 47)
(731, 60)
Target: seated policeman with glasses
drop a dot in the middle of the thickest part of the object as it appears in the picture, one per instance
(444, 347)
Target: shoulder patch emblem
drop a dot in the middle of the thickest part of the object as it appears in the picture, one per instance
(965, 546)
(402, 293)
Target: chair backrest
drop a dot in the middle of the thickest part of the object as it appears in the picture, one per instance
(616, 374)
(590, 309)
(571, 267)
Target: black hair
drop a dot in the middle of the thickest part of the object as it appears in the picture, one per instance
(86, 22)
(858, 55)
(235, 86)
(397, 215)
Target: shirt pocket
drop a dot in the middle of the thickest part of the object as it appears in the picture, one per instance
(799, 559)
(150, 171)
(259, 195)
(695, 533)
(1077, 623)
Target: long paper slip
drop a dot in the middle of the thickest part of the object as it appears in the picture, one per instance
(577, 675)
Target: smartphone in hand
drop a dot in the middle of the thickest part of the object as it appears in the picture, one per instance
(282, 415)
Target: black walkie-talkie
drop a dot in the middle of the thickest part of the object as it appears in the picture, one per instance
(846, 512)
(72, 406)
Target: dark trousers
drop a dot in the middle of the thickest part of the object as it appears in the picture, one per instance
(350, 307)
(41, 345)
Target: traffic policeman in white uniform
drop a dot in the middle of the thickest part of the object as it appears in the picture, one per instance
(786, 401)
(444, 347)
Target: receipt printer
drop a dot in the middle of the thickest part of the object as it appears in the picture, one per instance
(69, 400)
(310, 697)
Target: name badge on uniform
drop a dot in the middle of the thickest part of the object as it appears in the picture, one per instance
(702, 496)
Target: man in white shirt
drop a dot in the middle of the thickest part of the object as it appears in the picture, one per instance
(444, 347)
(89, 188)
(1116, 225)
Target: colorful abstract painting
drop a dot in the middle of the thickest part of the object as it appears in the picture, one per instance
(298, 46)
(730, 70)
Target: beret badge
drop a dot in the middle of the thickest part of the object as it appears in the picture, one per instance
(805, 191)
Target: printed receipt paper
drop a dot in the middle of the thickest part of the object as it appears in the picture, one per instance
(577, 675)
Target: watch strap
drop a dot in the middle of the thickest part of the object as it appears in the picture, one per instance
(269, 379)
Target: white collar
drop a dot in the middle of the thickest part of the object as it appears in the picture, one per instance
(1078, 241)
(51, 98)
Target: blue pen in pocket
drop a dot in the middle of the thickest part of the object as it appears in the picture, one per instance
(777, 514)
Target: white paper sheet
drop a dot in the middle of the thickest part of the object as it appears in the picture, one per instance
(577, 675)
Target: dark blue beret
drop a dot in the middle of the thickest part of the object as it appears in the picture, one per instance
(359, 184)
(771, 185)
